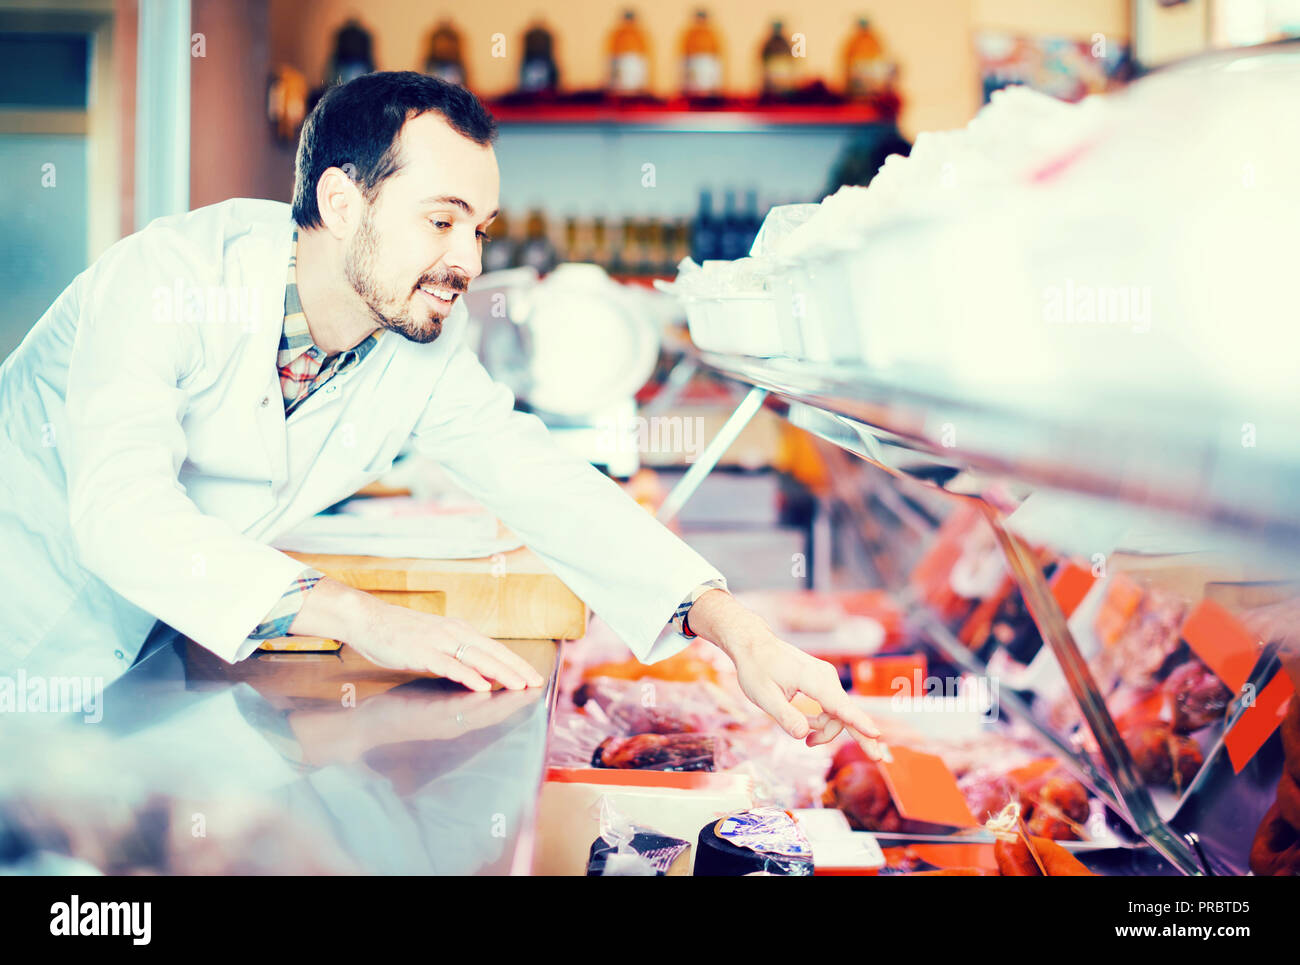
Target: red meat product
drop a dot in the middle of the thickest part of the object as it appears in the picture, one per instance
(1150, 637)
(1276, 848)
(849, 752)
(859, 790)
(987, 794)
(657, 752)
(1162, 757)
(1055, 806)
(1288, 799)
(1014, 859)
(1197, 696)
(1291, 738)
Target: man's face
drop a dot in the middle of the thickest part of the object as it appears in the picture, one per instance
(420, 243)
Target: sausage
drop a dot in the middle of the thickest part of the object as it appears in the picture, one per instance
(1014, 859)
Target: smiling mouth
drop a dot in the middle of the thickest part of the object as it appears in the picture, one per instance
(444, 296)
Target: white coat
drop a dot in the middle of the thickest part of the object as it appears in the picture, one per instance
(147, 462)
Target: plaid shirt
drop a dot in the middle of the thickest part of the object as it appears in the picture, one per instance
(304, 368)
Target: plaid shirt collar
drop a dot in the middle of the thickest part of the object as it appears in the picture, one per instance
(295, 339)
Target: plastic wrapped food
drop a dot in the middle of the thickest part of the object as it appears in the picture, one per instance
(627, 849)
(987, 793)
(759, 840)
(658, 752)
(1055, 805)
(1197, 697)
(1276, 848)
(1141, 655)
(650, 706)
(1162, 757)
(1014, 859)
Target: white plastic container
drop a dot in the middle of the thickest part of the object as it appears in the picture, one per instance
(742, 324)
(815, 303)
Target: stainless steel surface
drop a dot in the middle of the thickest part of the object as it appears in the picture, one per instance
(346, 767)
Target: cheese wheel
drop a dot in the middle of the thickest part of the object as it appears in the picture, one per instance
(717, 857)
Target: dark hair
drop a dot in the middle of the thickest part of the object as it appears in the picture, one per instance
(358, 122)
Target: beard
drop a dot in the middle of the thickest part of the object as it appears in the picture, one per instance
(391, 310)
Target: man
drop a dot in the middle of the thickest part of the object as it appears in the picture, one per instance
(222, 375)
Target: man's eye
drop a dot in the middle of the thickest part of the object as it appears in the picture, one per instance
(442, 224)
(484, 237)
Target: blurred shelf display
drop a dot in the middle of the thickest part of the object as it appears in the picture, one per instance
(732, 114)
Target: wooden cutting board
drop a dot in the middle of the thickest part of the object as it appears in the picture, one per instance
(508, 596)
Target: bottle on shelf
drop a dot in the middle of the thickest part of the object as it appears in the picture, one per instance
(537, 250)
(679, 247)
(538, 72)
(499, 253)
(706, 230)
(868, 72)
(652, 246)
(627, 255)
(352, 54)
(444, 58)
(778, 63)
(731, 244)
(569, 243)
(602, 253)
(701, 59)
(629, 58)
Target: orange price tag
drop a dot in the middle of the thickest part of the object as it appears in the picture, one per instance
(1223, 643)
(1070, 584)
(924, 789)
(1256, 724)
(903, 674)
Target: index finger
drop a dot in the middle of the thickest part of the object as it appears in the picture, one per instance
(838, 704)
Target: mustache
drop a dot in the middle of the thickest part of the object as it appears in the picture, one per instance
(452, 281)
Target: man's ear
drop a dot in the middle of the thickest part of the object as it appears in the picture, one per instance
(340, 202)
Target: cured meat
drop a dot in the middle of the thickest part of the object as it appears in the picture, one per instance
(657, 752)
(1055, 806)
(1014, 859)
(1162, 757)
(1291, 738)
(1276, 848)
(1196, 696)
(987, 794)
(651, 706)
(849, 752)
(1288, 799)
(859, 790)
(1149, 638)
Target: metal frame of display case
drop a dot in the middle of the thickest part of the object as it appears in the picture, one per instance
(893, 428)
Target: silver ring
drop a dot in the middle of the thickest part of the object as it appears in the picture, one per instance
(461, 649)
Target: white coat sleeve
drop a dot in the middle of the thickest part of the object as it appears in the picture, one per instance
(629, 568)
(132, 522)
